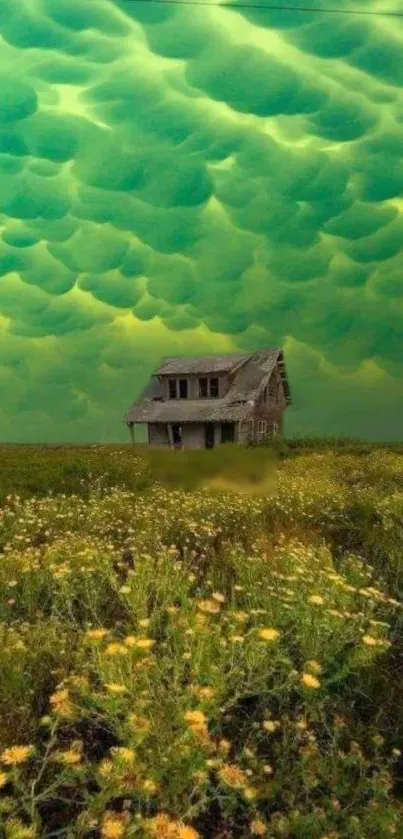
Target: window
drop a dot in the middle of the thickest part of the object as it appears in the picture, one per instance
(183, 388)
(213, 388)
(172, 388)
(275, 428)
(203, 388)
(261, 428)
(208, 388)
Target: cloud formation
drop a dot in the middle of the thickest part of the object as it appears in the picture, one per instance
(181, 179)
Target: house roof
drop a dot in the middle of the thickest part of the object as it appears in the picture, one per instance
(248, 374)
(198, 364)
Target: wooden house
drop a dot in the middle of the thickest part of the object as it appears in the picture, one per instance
(202, 401)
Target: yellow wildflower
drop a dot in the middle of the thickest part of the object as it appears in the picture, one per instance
(270, 726)
(70, 758)
(218, 597)
(186, 832)
(148, 786)
(115, 688)
(145, 643)
(112, 827)
(232, 775)
(316, 599)
(16, 755)
(258, 827)
(314, 666)
(209, 606)
(96, 634)
(369, 641)
(196, 719)
(115, 649)
(310, 681)
(3, 779)
(268, 634)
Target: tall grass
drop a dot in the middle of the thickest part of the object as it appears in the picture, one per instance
(198, 647)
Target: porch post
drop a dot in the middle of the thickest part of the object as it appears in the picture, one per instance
(170, 435)
(131, 430)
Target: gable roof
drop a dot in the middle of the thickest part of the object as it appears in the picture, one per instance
(248, 375)
(199, 364)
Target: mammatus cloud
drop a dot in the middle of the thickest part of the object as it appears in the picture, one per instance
(192, 179)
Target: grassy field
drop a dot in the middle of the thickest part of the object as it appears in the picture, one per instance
(201, 646)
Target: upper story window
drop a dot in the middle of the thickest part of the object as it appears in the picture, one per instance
(208, 387)
(177, 388)
(203, 388)
(213, 387)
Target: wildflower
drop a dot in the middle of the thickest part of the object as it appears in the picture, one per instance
(115, 688)
(196, 719)
(268, 634)
(270, 725)
(107, 769)
(115, 649)
(209, 606)
(257, 827)
(310, 681)
(224, 746)
(162, 827)
(395, 753)
(233, 776)
(186, 832)
(218, 597)
(249, 792)
(16, 755)
(3, 779)
(70, 758)
(144, 623)
(148, 786)
(96, 634)
(112, 827)
(145, 643)
(314, 666)
(369, 640)
(316, 599)
(267, 769)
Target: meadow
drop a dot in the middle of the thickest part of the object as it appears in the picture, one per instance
(201, 647)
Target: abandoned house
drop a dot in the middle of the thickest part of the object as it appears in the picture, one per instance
(202, 401)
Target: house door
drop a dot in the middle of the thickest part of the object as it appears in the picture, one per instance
(209, 435)
(227, 432)
(177, 436)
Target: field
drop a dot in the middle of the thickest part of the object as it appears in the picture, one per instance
(201, 646)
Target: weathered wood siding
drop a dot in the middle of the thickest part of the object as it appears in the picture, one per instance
(193, 435)
(158, 434)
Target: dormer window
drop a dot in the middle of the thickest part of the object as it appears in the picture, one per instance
(203, 388)
(178, 388)
(213, 388)
(208, 387)
(183, 388)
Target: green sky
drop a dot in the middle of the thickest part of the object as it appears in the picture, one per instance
(176, 180)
